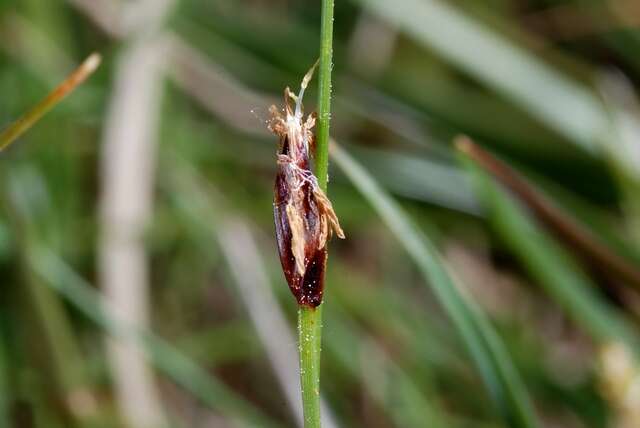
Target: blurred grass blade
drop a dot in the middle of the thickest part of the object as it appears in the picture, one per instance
(563, 105)
(19, 127)
(164, 356)
(53, 328)
(485, 347)
(549, 264)
(420, 178)
(4, 379)
(576, 235)
(251, 280)
(398, 394)
(623, 145)
(127, 173)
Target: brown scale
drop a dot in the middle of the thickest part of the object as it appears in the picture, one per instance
(304, 217)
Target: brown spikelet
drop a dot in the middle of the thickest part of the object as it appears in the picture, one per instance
(304, 216)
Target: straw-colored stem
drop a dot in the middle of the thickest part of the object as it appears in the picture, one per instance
(20, 126)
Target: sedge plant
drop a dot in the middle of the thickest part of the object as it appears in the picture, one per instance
(310, 318)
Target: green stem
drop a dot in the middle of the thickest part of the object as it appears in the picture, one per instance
(309, 336)
(324, 96)
(310, 319)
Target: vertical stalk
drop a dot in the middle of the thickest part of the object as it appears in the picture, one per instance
(310, 337)
(310, 319)
(324, 95)
(20, 126)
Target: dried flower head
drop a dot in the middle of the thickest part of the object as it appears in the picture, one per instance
(304, 217)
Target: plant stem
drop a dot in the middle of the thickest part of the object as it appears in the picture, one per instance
(324, 95)
(309, 337)
(20, 126)
(310, 319)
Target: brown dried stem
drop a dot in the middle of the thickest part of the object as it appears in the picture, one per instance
(581, 239)
(20, 126)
